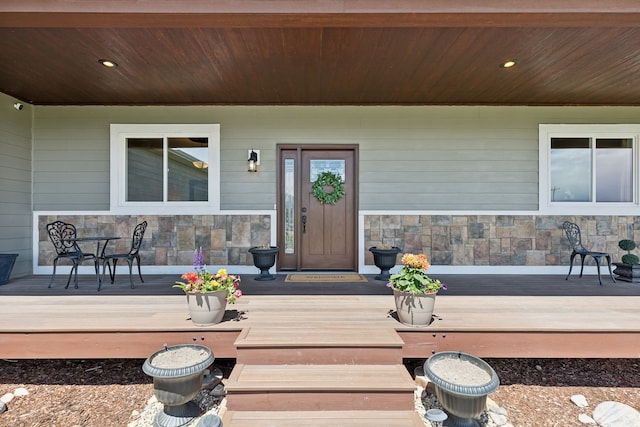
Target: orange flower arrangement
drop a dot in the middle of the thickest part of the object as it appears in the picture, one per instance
(416, 261)
(412, 278)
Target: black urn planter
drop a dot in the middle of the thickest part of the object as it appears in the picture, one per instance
(627, 272)
(178, 375)
(385, 260)
(264, 259)
(462, 382)
(6, 266)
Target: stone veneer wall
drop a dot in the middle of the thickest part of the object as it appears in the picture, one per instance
(496, 239)
(169, 239)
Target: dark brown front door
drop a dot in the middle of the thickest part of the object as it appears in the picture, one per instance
(313, 235)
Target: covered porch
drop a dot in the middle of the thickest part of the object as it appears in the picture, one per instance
(327, 349)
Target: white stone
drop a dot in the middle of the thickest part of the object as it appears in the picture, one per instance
(579, 400)
(492, 405)
(3, 407)
(420, 379)
(218, 390)
(498, 419)
(586, 419)
(218, 374)
(21, 391)
(616, 414)
(7, 398)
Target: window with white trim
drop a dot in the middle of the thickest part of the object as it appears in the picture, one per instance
(165, 165)
(588, 165)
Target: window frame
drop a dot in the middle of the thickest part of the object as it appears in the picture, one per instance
(119, 133)
(593, 131)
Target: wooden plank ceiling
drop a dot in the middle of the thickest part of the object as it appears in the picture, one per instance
(401, 52)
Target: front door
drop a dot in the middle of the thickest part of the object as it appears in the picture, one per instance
(313, 235)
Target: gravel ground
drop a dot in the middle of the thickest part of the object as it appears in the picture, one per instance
(104, 393)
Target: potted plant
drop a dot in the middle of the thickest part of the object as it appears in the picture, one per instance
(208, 293)
(414, 292)
(384, 257)
(264, 257)
(629, 269)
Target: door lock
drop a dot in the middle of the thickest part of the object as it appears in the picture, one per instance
(304, 223)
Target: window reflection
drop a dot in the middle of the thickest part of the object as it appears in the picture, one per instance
(187, 169)
(614, 170)
(289, 206)
(570, 170)
(144, 170)
(575, 161)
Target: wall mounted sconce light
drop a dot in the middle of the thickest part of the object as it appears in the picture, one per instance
(254, 160)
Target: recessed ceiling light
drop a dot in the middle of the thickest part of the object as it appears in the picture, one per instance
(108, 63)
(509, 64)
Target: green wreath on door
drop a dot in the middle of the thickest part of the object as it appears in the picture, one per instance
(328, 179)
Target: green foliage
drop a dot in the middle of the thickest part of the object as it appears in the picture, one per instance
(628, 245)
(412, 278)
(328, 179)
(630, 259)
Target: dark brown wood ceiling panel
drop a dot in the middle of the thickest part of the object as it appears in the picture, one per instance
(322, 65)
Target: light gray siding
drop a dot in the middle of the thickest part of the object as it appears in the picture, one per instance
(15, 184)
(411, 158)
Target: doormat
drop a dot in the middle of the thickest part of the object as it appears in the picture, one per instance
(307, 278)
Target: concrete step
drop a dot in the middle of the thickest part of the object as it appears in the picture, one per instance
(311, 345)
(319, 388)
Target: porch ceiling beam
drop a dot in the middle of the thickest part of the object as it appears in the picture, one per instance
(330, 13)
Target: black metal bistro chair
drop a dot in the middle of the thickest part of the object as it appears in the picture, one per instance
(572, 231)
(62, 236)
(133, 254)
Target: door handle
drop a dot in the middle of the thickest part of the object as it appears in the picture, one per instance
(304, 223)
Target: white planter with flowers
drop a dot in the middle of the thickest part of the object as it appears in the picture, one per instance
(414, 292)
(208, 294)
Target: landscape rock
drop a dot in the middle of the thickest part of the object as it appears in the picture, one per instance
(616, 414)
(21, 391)
(3, 407)
(579, 400)
(420, 379)
(219, 391)
(586, 419)
(498, 419)
(492, 405)
(7, 398)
